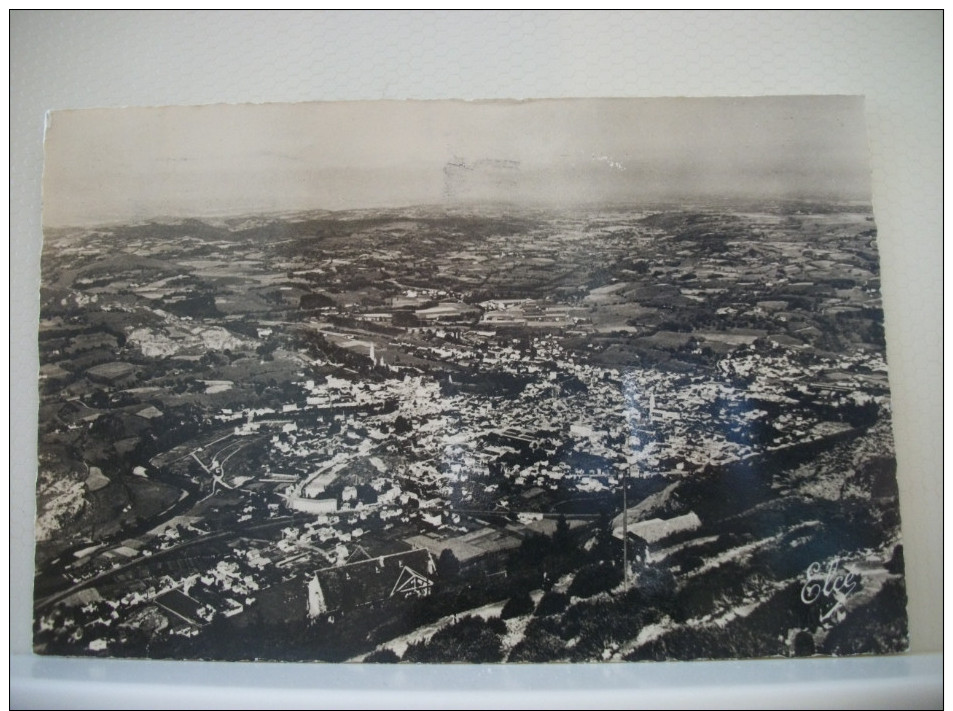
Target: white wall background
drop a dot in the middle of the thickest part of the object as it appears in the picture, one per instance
(64, 60)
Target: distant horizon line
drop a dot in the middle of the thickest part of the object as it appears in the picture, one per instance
(522, 205)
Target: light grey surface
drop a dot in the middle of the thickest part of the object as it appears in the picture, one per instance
(74, 60)
(910, 682)
(125, 165)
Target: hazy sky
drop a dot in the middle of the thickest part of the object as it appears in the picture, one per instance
(128, 164)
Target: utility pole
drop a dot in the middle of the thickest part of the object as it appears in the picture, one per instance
(625, 530)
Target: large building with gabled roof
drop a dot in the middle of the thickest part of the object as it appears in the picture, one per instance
(363, 579)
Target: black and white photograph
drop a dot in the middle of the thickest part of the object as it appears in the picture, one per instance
(591, 380)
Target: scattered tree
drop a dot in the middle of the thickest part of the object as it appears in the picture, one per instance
(448, 567)
(519, 604)
(382, 656)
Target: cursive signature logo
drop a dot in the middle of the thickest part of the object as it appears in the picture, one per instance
(831, 585)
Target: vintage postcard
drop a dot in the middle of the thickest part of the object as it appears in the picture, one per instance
(541, 381)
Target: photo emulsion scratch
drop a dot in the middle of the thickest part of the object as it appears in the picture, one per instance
(543, 381)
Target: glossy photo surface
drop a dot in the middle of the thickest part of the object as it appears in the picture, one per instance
(545, 381)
